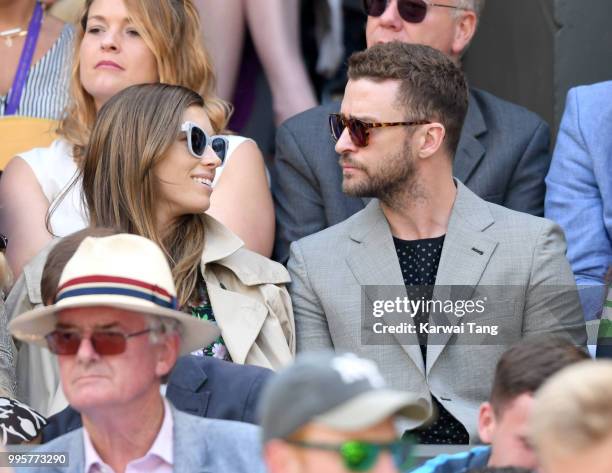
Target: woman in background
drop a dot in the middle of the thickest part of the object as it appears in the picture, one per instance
(35, 53)
(148, 170)
(274, 26)
(119, 44)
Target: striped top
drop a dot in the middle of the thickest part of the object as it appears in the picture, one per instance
(46, 89)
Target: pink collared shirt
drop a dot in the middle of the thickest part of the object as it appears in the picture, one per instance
(159, 458)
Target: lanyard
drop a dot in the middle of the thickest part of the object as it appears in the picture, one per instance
(25, 60)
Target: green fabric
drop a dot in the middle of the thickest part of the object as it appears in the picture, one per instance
(605, 329)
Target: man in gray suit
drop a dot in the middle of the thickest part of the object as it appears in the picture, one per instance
(503, 271)
(503, 154)
(117, 333)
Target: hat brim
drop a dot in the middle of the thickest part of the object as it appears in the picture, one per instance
(34, 325)
(373, 407)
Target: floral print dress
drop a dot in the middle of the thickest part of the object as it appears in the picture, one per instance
(202, 309)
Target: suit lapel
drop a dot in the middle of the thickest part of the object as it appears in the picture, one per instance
(184, 387)
(72, 442)
(239, 317)
(465, 256)
(187, 456)
(470, 150)
(374, 263)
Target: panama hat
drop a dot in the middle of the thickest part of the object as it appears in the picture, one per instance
(123, 271)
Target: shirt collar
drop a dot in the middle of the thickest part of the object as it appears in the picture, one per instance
(162, 448)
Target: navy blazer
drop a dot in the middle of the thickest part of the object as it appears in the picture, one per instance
(201, 386)
(502, 157)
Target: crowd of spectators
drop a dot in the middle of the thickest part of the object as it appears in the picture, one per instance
(414, 282)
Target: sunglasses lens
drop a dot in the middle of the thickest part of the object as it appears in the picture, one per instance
(359, 456)
(402, 455)
(68, 343)
(63, 343)
(359, 133)
(412, 11)
(219, 146)
(375, 7)
(198, 141)
(108, 343)
(336, 125)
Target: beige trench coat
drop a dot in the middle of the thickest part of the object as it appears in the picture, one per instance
(247, 293)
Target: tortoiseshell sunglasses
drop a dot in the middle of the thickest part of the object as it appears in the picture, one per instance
(360, 130)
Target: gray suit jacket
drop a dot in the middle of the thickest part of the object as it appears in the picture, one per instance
(487, 248)
(503, 156)
(200, 446)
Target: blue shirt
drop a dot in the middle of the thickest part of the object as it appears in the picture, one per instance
(462, 462)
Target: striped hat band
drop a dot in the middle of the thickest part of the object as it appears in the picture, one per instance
(100, 285)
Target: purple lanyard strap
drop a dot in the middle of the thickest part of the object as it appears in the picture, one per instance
(25, 61)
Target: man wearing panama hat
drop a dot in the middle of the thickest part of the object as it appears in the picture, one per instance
(117, 333)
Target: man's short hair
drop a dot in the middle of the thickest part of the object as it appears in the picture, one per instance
(60, 254)
(573, 410)
(477, 6)
(524, 367)
(432, 87)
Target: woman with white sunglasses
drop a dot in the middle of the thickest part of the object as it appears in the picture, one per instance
(149, 168)
(119, 44)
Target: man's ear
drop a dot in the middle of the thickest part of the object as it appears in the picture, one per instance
(429, 139)
(168, 350)
(465, 28)
(280, 457)
(486, 422)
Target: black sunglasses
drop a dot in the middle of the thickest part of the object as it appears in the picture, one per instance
(362, 456)
(3, 243)
(360, 130)
(412, 11)
(105, 342)
(198, 140)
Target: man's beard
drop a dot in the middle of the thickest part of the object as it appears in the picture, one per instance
(391, 181)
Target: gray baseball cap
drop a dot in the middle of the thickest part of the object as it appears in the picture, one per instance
(341, 391)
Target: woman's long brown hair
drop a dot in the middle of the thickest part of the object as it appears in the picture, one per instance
(132, 133)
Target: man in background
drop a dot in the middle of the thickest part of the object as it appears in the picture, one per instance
(502, 156)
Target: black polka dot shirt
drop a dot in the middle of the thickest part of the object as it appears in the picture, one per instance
(419, 260)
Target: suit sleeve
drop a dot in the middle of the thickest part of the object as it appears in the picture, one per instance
(7, 356)
(297, 198)
(526, 188)
(252, 399)
(17, 303)
(310, 321)
(552, 305)
(573, 200)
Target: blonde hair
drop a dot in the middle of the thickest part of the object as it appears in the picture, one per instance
(573, 410)
(171, 30)
(132, 133)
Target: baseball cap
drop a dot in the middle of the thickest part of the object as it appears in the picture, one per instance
(341, 391)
